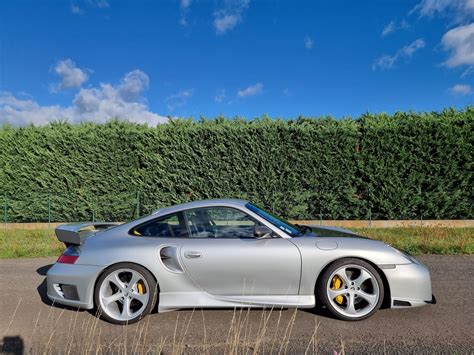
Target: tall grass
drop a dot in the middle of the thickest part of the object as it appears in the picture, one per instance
(24, 243)
(417, 240)
(67, 332)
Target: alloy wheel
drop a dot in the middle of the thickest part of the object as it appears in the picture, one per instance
(353, 291)
(124, 294)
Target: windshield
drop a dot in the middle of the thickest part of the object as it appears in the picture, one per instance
(279, 222)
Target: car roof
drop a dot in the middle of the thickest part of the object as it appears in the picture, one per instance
(228, 202)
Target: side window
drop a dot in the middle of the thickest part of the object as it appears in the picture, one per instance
(220, 222)
(170, 226)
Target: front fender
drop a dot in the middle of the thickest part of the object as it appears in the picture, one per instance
(316, 257)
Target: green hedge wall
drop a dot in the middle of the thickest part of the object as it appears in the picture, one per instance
(406, 165)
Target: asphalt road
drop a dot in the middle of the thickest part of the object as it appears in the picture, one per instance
(28, 322)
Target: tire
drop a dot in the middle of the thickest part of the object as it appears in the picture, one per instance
(125, 293)
(351, 289)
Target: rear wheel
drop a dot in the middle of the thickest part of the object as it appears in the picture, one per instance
(351, 289)
(125, 293)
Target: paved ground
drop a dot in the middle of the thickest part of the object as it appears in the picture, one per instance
(30, 324)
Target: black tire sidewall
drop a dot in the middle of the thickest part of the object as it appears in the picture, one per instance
(151, 284)
(321, 292)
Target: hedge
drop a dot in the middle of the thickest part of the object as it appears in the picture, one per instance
(407, 165)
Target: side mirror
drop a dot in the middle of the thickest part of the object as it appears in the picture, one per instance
(262, 232)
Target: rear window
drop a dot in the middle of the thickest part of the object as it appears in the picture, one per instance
(170, 226)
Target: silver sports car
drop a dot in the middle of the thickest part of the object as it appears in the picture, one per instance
(229, 253)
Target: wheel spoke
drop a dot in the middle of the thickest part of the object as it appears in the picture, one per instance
(334, 293)
(133, 281)
(350, 304)
(371, 299)
(364, 276)
(108, 299)
(117, 282)
(342, 273)
(142, 298)
(126, 312)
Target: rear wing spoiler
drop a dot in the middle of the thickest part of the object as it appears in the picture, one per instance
(75, 233)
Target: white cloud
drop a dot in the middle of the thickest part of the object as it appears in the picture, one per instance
(103, 4)
(393, 26)
(389, 28)
(388, 61)
(72, 77)
(460, 89)
(21, 111)
(224, 22)
(220, 96)
(184, 6)
(459, 42)
(100, 104)
(252, 90)
(308, 42)
(75, 9)
(458, 11)
(227, 18)
(132, 85)
(179, 99)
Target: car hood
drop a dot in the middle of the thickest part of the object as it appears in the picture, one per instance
(319, 231)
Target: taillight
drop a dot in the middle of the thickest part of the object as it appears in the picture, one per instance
(69, 255)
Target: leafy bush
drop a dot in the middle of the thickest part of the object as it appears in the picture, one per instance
(406, 165)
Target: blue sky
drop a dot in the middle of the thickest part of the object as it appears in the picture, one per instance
(145, 60)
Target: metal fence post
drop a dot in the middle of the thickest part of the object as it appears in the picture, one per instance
(370, 207)
(5, 211)
(320, 218)
(137, 213)
(49, 211)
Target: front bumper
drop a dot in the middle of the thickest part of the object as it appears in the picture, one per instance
(72, 284)
(410, 285)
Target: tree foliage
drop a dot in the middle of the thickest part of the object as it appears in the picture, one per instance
(406, 165)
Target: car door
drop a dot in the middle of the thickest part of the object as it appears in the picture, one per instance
(223, 257)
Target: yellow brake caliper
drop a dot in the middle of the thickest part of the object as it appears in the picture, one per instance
(336, 284)
(140, 287)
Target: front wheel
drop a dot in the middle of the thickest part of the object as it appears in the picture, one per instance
(125, 293)
(351, 289)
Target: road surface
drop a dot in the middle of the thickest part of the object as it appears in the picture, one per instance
(29, 324)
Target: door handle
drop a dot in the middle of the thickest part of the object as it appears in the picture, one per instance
(192, 254)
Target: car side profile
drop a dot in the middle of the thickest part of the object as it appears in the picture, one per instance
(229, 253)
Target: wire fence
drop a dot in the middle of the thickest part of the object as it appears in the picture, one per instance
(124, 206)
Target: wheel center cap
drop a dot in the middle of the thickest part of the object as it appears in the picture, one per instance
(352, 289)
(126, 294)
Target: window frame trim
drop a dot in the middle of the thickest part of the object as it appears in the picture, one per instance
(276, 231)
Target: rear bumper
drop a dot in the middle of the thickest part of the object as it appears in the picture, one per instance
(72, 284)
(410, 285)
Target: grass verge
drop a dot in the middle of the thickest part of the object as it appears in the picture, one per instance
(417, 240)
(23, 243)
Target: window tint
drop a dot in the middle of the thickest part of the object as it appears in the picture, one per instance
(220, 222)
(171, 226)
